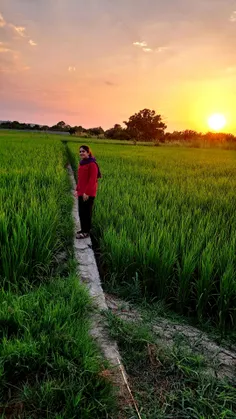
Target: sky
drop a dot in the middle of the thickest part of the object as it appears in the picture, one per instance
(97, 62)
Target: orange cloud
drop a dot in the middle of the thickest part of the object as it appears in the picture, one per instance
(3, 49)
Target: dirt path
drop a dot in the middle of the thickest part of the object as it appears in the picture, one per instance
(221, 361)
(88, 273)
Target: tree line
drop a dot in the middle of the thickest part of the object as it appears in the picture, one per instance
(144, 126)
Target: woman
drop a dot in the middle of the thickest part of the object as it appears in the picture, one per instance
(86, 190)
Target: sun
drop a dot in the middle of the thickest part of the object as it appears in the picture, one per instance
(217, 121)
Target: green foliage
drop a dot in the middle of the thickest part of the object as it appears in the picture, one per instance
(118, 133)
(146, 126)
(48, 361)
(49, 365)
(35, 207)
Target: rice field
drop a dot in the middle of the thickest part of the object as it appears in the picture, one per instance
(34, 208)
(166, 226)
(49, 365)
(166, 222)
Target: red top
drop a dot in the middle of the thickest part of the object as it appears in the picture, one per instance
(87, 179)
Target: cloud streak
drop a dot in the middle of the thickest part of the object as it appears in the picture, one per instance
(2, 21)
(20, 30)
(140, 44)
(143, 45)
(146, 48)
(233, 17)
(3, 49)
(32, 43)
(11, 59)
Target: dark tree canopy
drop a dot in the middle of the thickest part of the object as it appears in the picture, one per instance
(146, 126)
(117, 133)
(96, 131)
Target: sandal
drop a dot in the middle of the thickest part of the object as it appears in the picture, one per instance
(82, 235)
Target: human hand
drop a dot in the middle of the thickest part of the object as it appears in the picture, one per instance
(76, 194)
(85, 197)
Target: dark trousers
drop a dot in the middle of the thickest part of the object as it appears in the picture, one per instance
(85, 213)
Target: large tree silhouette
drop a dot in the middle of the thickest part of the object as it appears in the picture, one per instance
(146, 126)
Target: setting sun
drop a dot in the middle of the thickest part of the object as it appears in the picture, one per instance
(216, 122)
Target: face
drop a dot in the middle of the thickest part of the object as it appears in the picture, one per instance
(83, 153)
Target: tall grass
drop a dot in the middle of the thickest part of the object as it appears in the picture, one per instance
(49, 365)
(35, 221)
(168, 215)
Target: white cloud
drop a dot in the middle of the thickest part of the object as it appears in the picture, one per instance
(20, 30)
(233, 17)
(140, 44)
(145, 48)
(32, 43)
(71, 69)
(2, 21)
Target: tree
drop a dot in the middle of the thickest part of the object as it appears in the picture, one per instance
(45, 128)
(96, 131)
(117, 133)
(16, 125)
(146, 126)
(72, 131)
(61, 125)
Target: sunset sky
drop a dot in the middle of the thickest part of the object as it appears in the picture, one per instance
(96, 62)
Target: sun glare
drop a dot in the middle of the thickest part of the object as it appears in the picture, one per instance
(216, 122)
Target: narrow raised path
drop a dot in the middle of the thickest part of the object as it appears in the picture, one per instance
(88, 273)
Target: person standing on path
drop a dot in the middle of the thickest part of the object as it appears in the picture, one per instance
(86, 189)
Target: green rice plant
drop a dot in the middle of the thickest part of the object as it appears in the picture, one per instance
(49, 363)
(168, 214)
(50, 367)
(35, 206)
(205, 284)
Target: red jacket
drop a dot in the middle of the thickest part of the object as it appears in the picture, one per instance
(87, 179)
